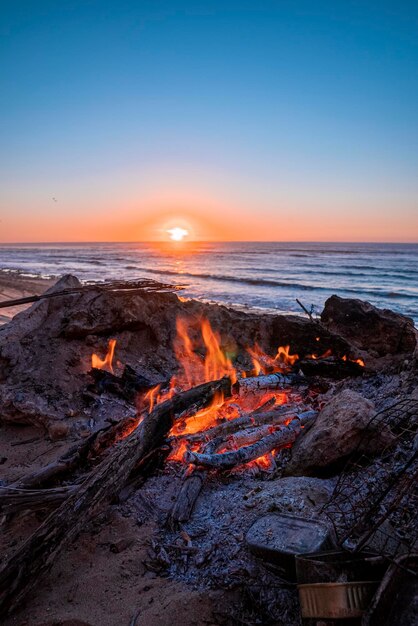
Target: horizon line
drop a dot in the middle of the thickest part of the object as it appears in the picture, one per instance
(180, 243)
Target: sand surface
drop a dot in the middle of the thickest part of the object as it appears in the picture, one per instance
(13, 286)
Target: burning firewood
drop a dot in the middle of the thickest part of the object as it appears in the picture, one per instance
(270, 381)
(251, 435)
(228, 460)
(23, 569)
(279, 416)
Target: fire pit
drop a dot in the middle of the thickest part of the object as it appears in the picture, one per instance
(191, 415)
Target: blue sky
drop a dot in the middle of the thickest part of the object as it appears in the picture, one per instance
(303, 114)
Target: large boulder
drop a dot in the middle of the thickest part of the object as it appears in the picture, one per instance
(338, 430)
(379, 332)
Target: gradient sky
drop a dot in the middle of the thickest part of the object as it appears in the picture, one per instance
(246, 120)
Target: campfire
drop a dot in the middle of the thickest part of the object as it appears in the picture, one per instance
(206, 413)
(269, 405)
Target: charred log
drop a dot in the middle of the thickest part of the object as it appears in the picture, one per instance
(251, 435)
(127, 386)
(270, 381)
(73, 458)
(228, 460)
(276, 417)
(187, 496)
(331, 367)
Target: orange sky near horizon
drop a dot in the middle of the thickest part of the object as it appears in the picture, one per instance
(211, 221)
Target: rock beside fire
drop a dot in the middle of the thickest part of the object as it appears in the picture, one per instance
(338, 430)
(378, 331)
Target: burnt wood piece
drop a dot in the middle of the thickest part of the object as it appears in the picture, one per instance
(187, 496)
(330, 367)
(191, 487)
(277, 416)
(269, 381)
(127, 386)
(22, 570)
(268, 404)
(228, 460)
(250, 435)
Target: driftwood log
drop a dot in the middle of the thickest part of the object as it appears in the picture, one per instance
(228, 460)
(191, 486)
(145, 284)
(13, 500)
(22, 570)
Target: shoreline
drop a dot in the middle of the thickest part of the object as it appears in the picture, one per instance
(15, 285)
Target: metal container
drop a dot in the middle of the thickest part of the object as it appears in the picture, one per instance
(336, 600)
(277, 538)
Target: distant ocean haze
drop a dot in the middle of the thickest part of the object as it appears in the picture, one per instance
(266, 276)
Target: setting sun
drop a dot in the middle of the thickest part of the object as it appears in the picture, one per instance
(177, 233)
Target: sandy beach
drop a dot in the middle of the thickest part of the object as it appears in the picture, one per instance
(13, 286)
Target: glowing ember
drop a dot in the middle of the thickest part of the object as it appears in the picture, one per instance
(326, 354)
(358, 361)
(203, 419)
(106, 363)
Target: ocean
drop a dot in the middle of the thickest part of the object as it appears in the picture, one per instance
(268, 276)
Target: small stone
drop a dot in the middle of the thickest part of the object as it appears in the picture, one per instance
(58, 430)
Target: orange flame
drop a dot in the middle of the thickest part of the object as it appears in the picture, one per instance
(283, 356)
(106, 363)
(265, 364)
(151, 397)
(198, 369)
